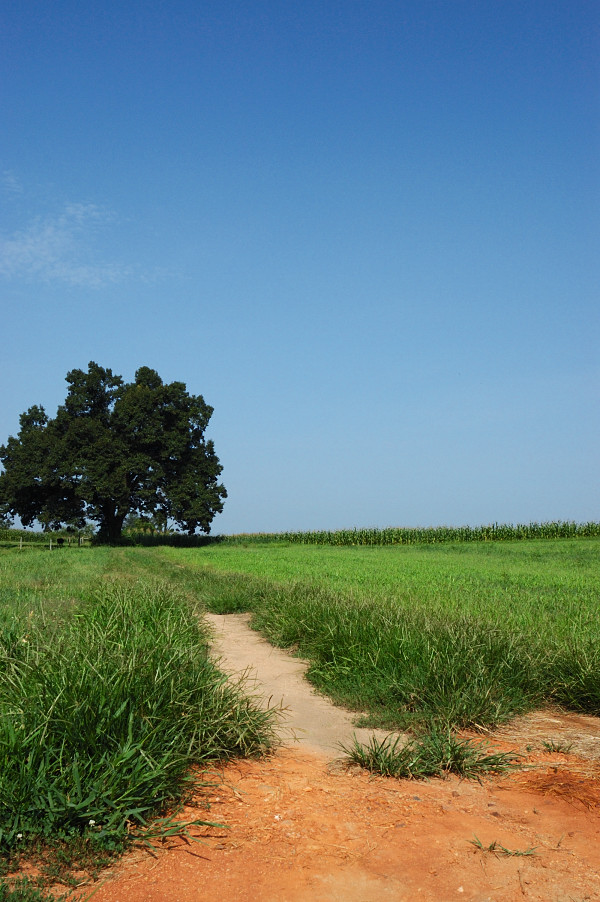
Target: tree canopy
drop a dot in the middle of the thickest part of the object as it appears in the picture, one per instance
(114, 448)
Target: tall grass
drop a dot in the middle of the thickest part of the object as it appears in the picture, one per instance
(455, 635)
(407, 668)
(102, 719)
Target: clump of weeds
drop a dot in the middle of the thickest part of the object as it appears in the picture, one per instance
(557, 747)
(436, 754)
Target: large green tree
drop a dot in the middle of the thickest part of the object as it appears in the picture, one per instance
(114, 448)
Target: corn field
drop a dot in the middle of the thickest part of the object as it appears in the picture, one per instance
(426, 536)
(393, 535)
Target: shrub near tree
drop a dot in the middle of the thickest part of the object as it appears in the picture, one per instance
(114, 448)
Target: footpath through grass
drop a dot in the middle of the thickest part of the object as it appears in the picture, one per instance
(456, 635)
(108, 698)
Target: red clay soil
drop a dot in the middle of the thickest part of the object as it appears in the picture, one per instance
(301, 828)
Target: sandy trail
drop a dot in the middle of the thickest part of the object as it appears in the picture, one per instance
(277, 679)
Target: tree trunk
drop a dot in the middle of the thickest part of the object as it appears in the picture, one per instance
(112, 526)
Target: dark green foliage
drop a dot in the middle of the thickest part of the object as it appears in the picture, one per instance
(173, 539)
(113, 448)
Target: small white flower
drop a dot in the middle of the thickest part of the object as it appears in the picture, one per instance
(19, 836)
(92, 822)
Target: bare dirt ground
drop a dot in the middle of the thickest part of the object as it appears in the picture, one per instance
(302, 827)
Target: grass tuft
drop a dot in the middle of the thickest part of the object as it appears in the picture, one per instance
(435, 755)
(497, 849)
(557, 747)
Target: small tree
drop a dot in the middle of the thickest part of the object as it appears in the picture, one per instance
(114, 448)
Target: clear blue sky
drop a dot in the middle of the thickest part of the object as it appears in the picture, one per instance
(367, 232)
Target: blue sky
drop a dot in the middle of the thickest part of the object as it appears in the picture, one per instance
(366, 232)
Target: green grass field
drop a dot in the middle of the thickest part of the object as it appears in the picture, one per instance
(463, 634)
(108, 696)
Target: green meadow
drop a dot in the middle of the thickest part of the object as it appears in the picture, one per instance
(111, 709)
(459, 634)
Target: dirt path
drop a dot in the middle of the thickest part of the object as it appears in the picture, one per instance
(277, 679)
(303, 828)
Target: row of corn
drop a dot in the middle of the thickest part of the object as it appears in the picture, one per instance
(427, 536)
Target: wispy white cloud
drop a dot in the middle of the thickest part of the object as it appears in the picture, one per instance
(10, 182)
(56, 248)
